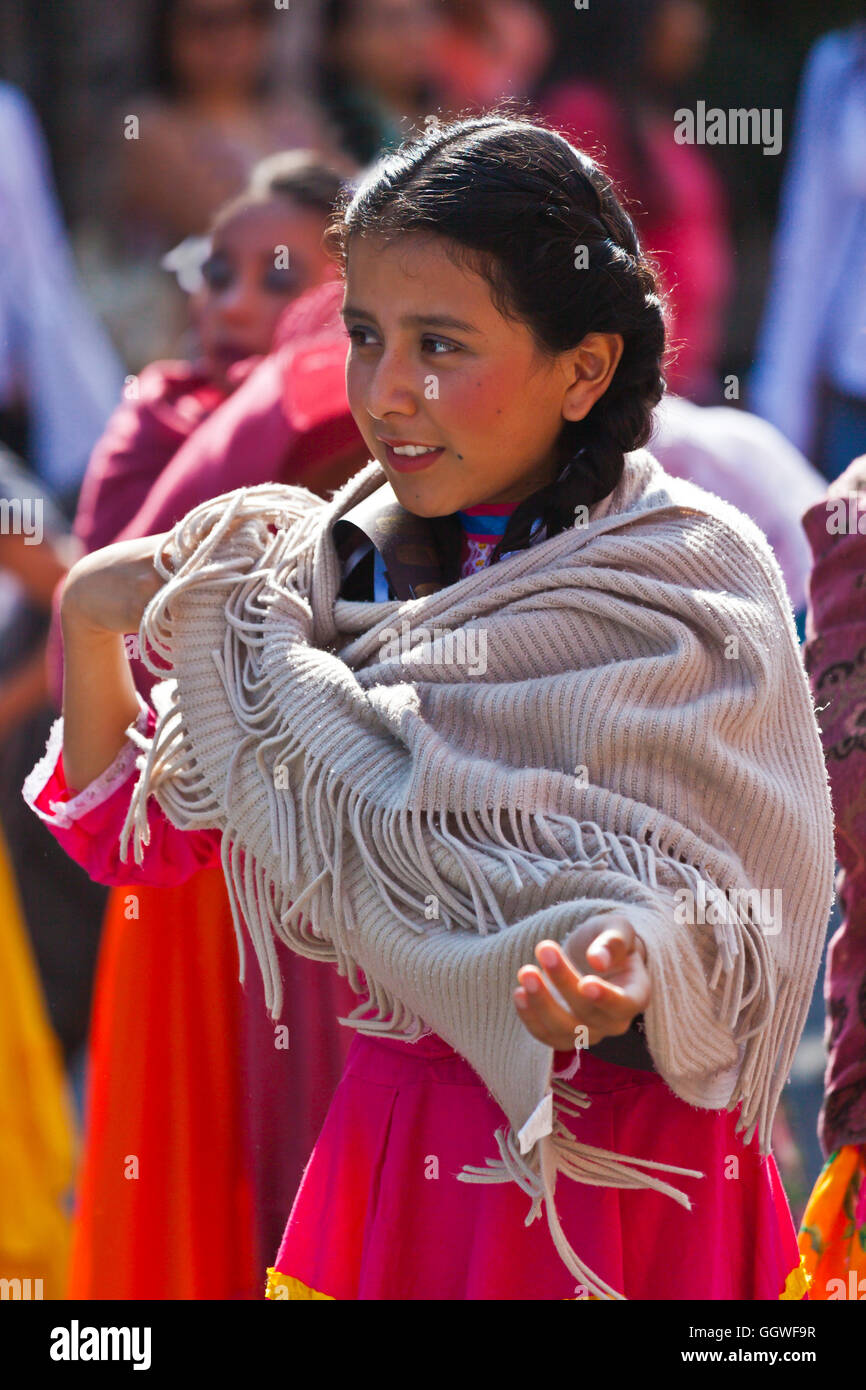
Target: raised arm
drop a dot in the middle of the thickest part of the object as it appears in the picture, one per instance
(104, 596)
(82, 789)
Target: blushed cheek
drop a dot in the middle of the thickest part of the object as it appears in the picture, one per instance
(477, 402)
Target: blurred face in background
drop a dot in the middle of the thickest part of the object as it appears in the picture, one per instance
(218, 46)
(383, 44)
(247, 283)
(676, 40)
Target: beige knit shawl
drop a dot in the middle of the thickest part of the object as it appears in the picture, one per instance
(642, 726)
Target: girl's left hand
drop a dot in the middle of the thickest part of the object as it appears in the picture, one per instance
(601, 974)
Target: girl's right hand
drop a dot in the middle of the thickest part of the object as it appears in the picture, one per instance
(109, 590)
(601, 973)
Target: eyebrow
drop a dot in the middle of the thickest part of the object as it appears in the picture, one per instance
(414, 320)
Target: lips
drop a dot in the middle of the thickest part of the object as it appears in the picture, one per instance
(404, 463)
(398, 443)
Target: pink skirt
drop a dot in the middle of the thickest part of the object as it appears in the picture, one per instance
(380, 1213)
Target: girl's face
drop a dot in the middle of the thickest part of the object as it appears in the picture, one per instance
(262, 257)
(433, 362)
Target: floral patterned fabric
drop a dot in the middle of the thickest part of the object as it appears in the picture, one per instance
(832, 1237)
(835, 657)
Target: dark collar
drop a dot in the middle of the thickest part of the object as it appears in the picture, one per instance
(421, 554)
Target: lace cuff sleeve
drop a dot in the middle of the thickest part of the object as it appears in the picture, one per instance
(89, 824)
(45, 789)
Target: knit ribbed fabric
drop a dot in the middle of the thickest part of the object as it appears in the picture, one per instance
(422, 790)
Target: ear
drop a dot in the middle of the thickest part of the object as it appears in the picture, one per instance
(589, 370)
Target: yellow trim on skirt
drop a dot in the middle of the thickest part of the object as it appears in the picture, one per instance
(283, 1286)
(797, 1283)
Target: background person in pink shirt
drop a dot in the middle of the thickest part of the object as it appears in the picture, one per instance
(263, 252)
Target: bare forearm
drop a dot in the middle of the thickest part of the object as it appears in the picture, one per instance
(99, 701)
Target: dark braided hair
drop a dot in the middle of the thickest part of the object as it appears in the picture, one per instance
(517, 202)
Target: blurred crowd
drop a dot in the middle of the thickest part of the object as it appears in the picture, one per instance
(155, 351)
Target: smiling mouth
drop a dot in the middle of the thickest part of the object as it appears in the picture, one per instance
(411, 463)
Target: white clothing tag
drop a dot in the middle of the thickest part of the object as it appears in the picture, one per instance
(539, 1124)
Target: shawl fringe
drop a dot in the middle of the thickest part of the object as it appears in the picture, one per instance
(295, 901)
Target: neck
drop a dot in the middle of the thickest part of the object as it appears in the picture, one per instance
(491, 508)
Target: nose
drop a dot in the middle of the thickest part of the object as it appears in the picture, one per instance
(235, 302)
(392, 388)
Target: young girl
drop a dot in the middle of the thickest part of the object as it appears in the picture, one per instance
(632, 737)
